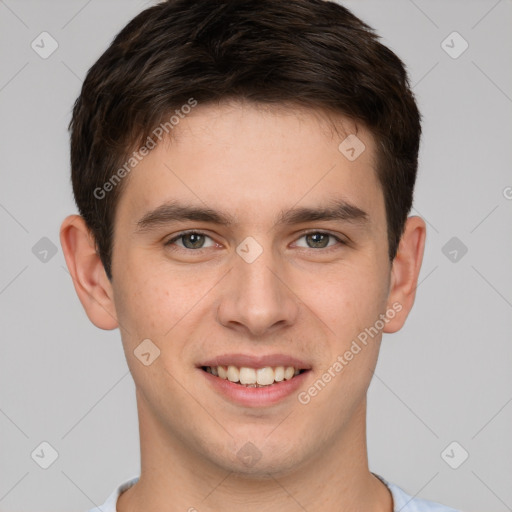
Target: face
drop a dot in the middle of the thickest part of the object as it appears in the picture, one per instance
(251, 241)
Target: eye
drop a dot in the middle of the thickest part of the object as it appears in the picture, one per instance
(195, 240)
(191, 240)
(319, 240)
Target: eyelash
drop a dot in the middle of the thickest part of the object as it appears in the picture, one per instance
(324, 249)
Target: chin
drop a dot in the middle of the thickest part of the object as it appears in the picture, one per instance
(267, 462)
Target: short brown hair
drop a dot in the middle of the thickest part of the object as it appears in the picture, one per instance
(311, 53)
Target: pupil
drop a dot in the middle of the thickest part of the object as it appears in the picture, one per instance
(319, 238)
(195, 239)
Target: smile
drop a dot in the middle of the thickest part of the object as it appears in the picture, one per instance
(253, 377)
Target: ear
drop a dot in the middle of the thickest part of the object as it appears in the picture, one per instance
(404, 272)
(89, 278)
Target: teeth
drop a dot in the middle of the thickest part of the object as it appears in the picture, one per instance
(233, 374)
(288, 373)
(265, 376)
(247, 376)
(279, 374)
(252, 377)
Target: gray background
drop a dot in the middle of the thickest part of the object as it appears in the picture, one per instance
(445, 377)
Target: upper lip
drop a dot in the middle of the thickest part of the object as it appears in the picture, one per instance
(260, 361)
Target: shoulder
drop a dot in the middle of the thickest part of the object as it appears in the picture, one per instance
(403, 502)
(110, 504)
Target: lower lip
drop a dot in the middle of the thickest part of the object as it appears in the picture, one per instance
(255, 397)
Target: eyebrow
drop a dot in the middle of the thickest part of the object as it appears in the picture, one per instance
(175, 211)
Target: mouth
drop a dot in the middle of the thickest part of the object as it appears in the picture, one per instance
(255, 380)
(254, 377)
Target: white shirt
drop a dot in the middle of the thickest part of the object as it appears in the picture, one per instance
(402, 502)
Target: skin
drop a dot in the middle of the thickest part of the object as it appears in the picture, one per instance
(297, 298)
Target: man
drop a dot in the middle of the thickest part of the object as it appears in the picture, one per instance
(244, 171)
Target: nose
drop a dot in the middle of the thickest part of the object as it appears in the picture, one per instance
(256, 298)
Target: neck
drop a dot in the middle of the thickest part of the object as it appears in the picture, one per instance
(175, 477)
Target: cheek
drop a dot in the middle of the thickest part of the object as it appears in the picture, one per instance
(155, 300)
(144, 302)
(351, 299)
(149, 309)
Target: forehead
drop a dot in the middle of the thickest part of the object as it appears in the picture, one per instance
(227, 123)
(256, 160)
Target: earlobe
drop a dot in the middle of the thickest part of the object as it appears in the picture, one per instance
(405, 271)
(87, 272)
